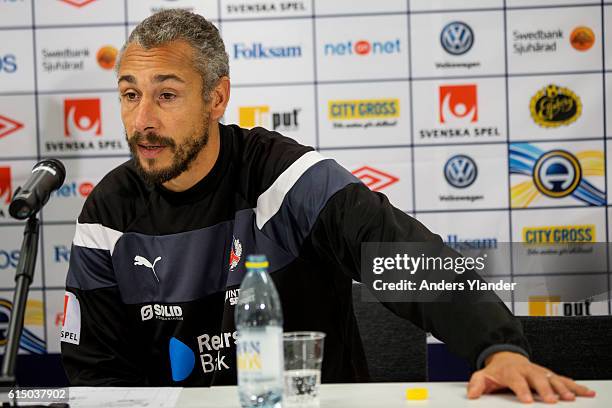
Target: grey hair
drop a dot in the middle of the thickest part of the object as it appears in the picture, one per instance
(210, 58)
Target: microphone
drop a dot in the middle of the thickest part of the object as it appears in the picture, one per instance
(47, 176)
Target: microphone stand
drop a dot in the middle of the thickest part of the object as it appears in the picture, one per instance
(23, 278)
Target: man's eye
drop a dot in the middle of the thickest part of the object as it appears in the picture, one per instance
(130, 96)
(167, 96)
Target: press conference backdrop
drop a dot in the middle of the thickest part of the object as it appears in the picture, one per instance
(488, 120)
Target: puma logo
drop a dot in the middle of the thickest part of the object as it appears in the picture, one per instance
(141, 261)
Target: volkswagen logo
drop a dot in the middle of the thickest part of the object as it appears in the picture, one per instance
(557, 173)
(460, 171)
(457, 38)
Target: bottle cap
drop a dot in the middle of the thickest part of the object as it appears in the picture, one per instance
(417, 394)
(256, 261)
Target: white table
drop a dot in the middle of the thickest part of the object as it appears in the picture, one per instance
(390, 395)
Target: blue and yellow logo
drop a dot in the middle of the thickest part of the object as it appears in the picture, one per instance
(555, 174)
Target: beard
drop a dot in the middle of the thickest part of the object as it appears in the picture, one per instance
(183, 154)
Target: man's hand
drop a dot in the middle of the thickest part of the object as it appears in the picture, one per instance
(512, 370)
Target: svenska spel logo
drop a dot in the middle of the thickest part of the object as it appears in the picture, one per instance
(555, 174)
(460, 171)
(458, 104)
(457, 38)
(362, 48)
(554, 106)
(82, 117)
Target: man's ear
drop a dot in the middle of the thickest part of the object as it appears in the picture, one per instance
(219, 98)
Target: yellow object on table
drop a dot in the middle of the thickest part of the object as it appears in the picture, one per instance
(416, 394)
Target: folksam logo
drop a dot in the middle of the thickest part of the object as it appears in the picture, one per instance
(260, 51)
(460, 171)
(555, 174)
(457, 38)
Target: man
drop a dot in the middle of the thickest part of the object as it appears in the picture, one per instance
(160, 244)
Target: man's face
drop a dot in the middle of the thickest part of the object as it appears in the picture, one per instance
(163, 112)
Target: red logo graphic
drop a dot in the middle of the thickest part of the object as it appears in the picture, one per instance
(59, 317)
(235, 253)
(82, 117)
(65, 306)
(363, 47)
(458, 104)
(85, 188)
(5, 184)
(8, 126)
(78, 3)
(375, 180)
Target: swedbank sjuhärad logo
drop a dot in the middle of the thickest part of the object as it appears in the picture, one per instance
(555, 174)
(554, 106)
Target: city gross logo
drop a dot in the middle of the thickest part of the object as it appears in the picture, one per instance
(8, 63)
(161, 312)
(260, 51)
(82, 117)
(252, 116)
(458, 104)
(78, 3)
(107, 56)
(33, 317)
(555, 106)
(362, 48)
(555, 174)
(8, 126)
(374, 179)
(460, 171)
(74, 189)
(547, 305)
(363, 109)
(457, 38)
(559, 234)
(582, 38)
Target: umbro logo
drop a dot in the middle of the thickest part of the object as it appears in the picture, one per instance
(374, 179)
(8, 126)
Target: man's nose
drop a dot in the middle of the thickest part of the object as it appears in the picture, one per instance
(146, 116)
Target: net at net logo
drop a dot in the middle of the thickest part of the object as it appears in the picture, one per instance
(261, 115)
(457, 38)
(8, 126)
(458, 104)
(554, 106)
(460, 171)
(555, 174)
(6, 190)
(374, 179)
(582, 38)
(82, 117)
(77, 3)
(362, 48)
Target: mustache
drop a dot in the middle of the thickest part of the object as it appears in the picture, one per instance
(152, 139)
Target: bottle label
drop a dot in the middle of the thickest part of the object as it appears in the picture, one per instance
(259, 353)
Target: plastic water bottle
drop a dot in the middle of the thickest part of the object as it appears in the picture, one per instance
(259, 350)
